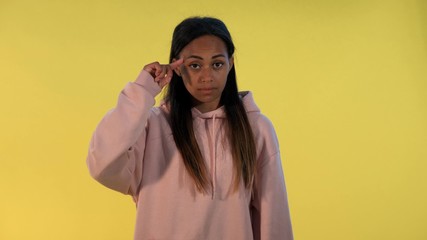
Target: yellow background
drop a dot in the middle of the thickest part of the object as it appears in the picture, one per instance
(344, 82)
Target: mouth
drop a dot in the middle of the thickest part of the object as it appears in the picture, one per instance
(206, 90)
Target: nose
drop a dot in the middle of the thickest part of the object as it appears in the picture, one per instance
(206, 75)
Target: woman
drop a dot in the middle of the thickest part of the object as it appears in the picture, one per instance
(206, 163)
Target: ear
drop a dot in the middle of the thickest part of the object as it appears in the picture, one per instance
(176, 70)
(231, 61)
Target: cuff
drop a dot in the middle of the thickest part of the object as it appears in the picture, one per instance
(145, 80)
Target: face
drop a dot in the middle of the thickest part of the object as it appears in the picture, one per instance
(205, 70)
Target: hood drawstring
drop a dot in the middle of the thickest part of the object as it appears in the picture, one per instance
(213, 156)
(211, 132)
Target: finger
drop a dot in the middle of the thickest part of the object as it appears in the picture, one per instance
(159, 71)
(176, 63)
(164, 72)
(167, 77)
(169, 73)
(163, 82)
(151, 68)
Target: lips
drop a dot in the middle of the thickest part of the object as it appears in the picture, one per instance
(206, 89)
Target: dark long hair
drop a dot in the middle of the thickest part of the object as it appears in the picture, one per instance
(240, 132)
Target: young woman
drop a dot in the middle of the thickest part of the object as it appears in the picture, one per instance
(205, 164)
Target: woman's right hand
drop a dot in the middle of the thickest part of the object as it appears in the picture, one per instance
(162, 73)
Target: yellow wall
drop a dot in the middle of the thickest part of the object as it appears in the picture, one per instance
(344, 82)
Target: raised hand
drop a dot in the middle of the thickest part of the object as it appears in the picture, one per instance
(162, 73)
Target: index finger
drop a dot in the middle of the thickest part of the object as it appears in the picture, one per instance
(176, 64)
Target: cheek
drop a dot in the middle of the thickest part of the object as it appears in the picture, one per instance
(186, 76)
(184, 71)
(223, 77)
(186, 79)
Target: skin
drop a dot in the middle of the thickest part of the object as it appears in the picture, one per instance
(162, 73)
(205, 70)
(204, 66)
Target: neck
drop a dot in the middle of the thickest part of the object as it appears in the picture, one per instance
(206, 107)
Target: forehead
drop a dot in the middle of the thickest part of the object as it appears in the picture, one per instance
(205, 45)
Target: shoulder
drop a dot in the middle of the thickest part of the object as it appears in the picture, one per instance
(158, 125)
(159, 116)
(266, 141)
(263, 130)
(158, 113)
(261, 125)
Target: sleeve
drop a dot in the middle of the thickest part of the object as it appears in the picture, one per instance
(114, 159)
(269, 208)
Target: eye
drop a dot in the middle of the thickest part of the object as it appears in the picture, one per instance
(194, 66)
(218, 65)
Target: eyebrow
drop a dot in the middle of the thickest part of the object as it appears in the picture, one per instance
(213, 57)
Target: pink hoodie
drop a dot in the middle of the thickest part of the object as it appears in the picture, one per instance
(133, 151)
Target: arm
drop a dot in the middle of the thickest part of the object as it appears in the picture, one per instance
(269, 208)
(116, 150)
(114, 159)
